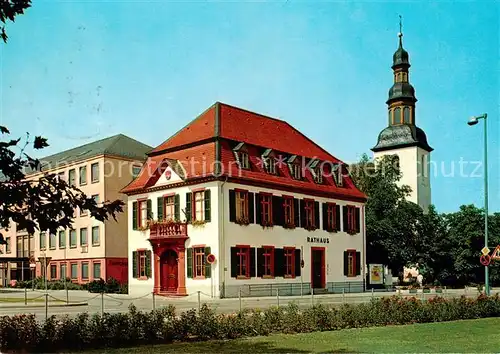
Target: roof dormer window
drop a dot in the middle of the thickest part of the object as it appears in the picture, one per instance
(316, 170)
(241, 155)
(338, 175)
(293, 164)
(269, 161)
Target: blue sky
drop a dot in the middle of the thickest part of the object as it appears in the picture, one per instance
(77, 71)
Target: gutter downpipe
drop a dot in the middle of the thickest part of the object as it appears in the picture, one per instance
(364, 248)
(222, 246)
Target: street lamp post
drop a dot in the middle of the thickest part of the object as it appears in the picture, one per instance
(474, 121)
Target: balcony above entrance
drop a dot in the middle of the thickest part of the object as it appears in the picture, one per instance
(167, 230)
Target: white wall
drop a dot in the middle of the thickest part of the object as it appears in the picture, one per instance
(413, 175)
(253, 234)
(201, 235)
(256, 236)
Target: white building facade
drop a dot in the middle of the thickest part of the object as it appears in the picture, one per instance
(251, 229)
(258, 260)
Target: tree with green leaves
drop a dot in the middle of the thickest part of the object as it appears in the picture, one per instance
(9, 9)
(465, 232)
(389, 217)
(45, 203)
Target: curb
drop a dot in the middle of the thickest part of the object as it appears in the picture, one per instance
(76, 304)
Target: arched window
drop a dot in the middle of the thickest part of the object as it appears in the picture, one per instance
(406, 114)
(397, 115)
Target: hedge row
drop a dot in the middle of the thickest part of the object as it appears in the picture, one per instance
(39, 283)
(96, 286)
(24, 333)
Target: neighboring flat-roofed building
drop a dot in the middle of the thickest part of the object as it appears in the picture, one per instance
(91, 249)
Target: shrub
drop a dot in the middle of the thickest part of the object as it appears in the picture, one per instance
(23, 333)
(110, 286)
(39, 283)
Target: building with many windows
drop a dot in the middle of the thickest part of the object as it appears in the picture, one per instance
(91, 249)
(240, 202)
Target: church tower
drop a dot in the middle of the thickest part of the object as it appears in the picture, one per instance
(402, 137)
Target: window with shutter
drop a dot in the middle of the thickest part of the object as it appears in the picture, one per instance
(134, 216)
(251, 205)
(142, 261)
(330, 217)
(242, 261)
(357, 262)
(207, 216)
(316, 215)
(189, 199)
(266, 209)
(298, 263)
(277, 211)
(232, 206)
(351, 218)
(150, 215)
(279, 262)
(260, 262)
(309, 211)
(144, 209)
(169, 208)
(135, 271)
(159, 208)
(198, 206)
(252, 262)
(208, 266)
(234, 262)
(241, 207)
(177, 208)
(199, 262)
(351, 263)
(289, 261)
(288, 212)
(148, 264)
(189, 262)
(268, 255)
(357, 220)
(296, 211)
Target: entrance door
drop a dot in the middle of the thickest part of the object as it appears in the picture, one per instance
(318, 267)
(168, 271)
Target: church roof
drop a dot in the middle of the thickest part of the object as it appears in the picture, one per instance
(400, 136)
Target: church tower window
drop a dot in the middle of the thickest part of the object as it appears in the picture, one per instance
(397, 115)
(406, 114)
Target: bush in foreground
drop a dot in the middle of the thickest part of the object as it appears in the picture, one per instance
(111, 286)
(24, 333)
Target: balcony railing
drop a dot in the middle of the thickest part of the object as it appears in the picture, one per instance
(162, 230)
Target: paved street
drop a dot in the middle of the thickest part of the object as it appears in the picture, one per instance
(114, 303)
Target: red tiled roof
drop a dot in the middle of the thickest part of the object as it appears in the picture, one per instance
(197, 161)
(255, 129)
(243, 126)
(202, 127)
(258, 173)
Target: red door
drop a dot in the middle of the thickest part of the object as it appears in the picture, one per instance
(168, 271)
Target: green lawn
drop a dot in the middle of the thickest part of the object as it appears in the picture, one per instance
(481, 335)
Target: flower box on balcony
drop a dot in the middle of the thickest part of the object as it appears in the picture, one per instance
(167, 229)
